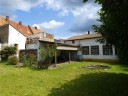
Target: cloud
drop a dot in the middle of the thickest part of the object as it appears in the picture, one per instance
(64, 6)
(9, 7)
(49, 25)
(85, 17)
(84, 14)
(24, 5)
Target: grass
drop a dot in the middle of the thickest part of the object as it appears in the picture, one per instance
(68, 80)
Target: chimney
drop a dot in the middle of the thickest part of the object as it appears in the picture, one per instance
(35, 27)
(7, 18)
(88, 32)
(20, 23)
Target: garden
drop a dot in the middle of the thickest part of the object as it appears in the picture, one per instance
(66, 80)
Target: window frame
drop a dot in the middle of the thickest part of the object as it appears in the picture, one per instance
(96, 50)
(85, 50)
(73, 41)
(107, 49)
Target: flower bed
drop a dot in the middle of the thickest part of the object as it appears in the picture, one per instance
(95, 67)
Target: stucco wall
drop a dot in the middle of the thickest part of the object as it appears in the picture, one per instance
(92, 42)
(15, 37)
(76, 43)
(32, 46)
(4, 34)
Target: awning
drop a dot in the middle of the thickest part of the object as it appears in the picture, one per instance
(66, 48)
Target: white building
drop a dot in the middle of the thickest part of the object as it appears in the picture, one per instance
(16, 34)
(91, 49)
(26, 37)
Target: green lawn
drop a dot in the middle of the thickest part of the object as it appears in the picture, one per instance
(68, 80)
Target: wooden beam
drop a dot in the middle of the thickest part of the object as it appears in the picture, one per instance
(69, 57)
(55, 57)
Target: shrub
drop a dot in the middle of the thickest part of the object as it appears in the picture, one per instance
(32, 59)
(21, 55)
(6, 52)
(13, 60)
(46, 56)
(28, 59)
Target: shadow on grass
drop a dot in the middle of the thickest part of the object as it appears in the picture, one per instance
(124, 67)
(94, 84)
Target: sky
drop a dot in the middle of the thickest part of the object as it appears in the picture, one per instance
(62, 18)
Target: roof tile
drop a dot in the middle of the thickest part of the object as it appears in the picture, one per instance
(25, 30)
(84, 36)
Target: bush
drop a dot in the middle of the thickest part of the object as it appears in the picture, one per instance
(12, 60)
(28, 59)
(46, 56)
(32, 60)
(6, 52)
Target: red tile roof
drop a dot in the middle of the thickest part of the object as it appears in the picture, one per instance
(85, 36)
(3, 21)
(25, 30)
(34, 30)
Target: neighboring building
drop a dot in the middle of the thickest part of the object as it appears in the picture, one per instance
(61, 41)
(31, 39)
(17, 34)
(91, 49)
(64, 52)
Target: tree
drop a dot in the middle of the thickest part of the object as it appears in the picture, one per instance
(46, 56)
(114, 25)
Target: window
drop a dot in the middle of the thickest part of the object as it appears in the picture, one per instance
(85, 50)
(107, 50)
(73, 41)
(116, 51)
(44, 34)
(16, 45)
(94, 50)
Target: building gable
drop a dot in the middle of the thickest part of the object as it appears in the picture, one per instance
(84, 36)
(25, 30)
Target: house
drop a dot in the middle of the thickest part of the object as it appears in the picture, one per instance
(27, 39)
(59, 41)
(32, 39)
(17, 34)
(91, 49)
(64, 52)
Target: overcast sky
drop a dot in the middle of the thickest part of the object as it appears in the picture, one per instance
(62, 18)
